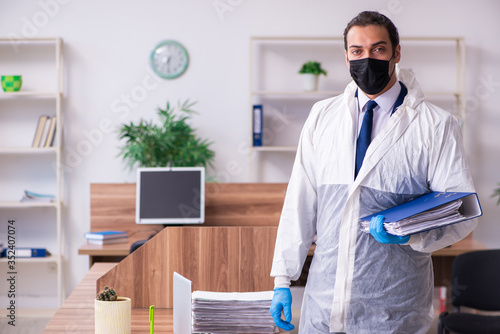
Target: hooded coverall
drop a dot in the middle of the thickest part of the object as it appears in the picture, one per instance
(355, 284)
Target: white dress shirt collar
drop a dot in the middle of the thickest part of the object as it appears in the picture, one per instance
(385, 101)
(382, 112)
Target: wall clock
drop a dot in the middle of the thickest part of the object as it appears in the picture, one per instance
(169, 59)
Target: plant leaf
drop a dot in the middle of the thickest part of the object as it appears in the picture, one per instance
(174, 143)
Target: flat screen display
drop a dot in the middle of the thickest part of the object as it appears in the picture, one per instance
(170, 196)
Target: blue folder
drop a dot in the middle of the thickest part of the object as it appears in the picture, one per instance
(21, 252)
(469, 209)
(257, 125)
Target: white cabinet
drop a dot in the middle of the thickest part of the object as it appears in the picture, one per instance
(275, 83)
(39, 281)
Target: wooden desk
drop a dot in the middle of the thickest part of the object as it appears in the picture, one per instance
(117, 252)
(112, 207)
(76, 315)
(463, 246)
(112, 252)
(441, 259)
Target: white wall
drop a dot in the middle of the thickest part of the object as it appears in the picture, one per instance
(107, 47)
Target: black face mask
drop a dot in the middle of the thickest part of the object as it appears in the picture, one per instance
(371, 75)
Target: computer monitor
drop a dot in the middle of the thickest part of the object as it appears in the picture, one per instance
(170, 195)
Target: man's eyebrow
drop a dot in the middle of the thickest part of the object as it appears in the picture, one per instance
(374, 44)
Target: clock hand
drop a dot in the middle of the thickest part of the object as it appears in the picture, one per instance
(168, 63)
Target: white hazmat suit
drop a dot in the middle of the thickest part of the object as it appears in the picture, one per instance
(355, 284)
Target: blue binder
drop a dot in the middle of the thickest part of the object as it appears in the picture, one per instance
(26, 252)
(257, 125)
(469, 209)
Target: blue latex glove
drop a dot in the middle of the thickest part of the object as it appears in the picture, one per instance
(282, 301)
(379, 233)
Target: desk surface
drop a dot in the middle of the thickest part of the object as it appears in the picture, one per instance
(466, 245)
(463, 246)
(76, 315)
(121, 249)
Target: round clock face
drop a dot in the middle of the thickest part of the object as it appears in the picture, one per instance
(169, 59)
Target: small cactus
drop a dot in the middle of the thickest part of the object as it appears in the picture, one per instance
(108, 294)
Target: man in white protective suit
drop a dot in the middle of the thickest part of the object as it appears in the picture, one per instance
(367, 282)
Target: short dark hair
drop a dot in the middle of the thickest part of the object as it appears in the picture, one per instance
(367, 18)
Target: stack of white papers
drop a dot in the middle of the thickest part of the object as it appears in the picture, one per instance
(442, 215)
(232, 312)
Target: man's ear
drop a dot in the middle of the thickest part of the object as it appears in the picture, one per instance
(397, 54)
(347, 60)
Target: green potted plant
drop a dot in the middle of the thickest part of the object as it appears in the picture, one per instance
(310, 72)
(112, 313)
(171, 143)
(496, 192)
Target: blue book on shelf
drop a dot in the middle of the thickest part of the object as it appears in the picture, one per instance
(432, 204)
(23, 252)
(257, 125)
(105, 235)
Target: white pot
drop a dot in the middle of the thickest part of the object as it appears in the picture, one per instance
(309, 82)
(113, 317)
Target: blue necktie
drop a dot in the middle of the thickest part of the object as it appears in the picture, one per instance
(365, 135)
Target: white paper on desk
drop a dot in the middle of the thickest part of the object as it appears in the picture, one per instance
(215, 309)
(232, 312)
(228, 296)
(237, 329)
(242, 303)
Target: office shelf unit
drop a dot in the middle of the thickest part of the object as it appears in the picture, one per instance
(23, 167)
(438, 62)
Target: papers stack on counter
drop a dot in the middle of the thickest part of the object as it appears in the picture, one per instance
(232, 312)
(426, 212)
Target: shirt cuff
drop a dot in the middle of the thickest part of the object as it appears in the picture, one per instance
(282, 282)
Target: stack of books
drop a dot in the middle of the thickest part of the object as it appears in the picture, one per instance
(45, 131)
(106, 237)
(30, 196)
(232, 312)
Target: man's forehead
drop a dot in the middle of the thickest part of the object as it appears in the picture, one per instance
(367, 35)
